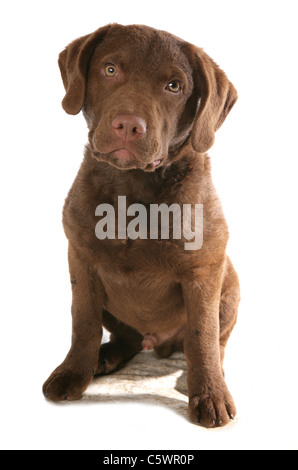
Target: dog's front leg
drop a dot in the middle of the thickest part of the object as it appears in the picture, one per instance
(73, 376)
(210, 402)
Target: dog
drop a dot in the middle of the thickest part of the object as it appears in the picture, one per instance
(152, 103)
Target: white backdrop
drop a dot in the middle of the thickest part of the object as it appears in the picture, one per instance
(255, 172)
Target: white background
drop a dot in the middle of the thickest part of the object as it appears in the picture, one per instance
(255, 172)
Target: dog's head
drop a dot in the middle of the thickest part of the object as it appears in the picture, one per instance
(143, 92)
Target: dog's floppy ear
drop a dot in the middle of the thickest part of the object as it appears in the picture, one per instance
(73, 63)
(217, 97)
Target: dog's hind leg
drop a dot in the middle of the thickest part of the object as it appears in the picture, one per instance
(229, 302)
(124, 344)
(172, 345)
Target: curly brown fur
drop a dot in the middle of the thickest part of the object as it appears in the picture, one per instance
(147, 141)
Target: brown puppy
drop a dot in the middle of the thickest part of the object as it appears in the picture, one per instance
(152, 103)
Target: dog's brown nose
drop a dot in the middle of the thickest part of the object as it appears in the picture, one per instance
(128, 127)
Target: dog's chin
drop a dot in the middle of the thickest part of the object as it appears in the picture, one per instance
(123, 159)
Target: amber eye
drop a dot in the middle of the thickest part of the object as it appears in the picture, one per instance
(110, 70)
(174, 86)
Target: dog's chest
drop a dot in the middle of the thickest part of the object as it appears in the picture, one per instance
(140, 284)
(129, 258)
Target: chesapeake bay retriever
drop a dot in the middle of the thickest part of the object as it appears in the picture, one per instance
(152, 103)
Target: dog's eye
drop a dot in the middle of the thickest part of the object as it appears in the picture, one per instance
(174, 86)
(110, 70)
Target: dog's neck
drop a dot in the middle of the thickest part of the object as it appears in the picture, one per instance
(138, 185)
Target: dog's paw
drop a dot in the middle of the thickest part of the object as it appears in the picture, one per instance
(66, 384)
(114, 355)
(111, 357)
(213, 407)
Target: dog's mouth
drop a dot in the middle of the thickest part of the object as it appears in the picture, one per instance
(155, 164)
(124, 159)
